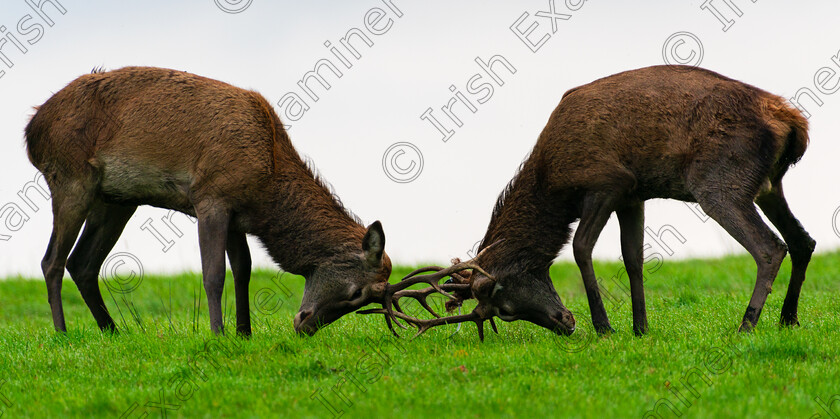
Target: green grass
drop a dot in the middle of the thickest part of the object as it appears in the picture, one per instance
(694, 308)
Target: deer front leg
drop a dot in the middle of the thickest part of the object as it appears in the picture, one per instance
(595, 213)
(213, 221)
(632, 222)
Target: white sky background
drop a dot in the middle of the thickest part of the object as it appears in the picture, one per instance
(268, 47)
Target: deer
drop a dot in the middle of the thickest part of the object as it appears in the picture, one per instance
(113, 140)
(675, 132)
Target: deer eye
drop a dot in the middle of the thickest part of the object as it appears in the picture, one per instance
(356, 295)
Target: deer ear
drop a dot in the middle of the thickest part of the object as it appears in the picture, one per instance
(373, 244)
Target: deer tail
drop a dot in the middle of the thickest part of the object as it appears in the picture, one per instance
(33, 133)
(791, 128)
(797, 139)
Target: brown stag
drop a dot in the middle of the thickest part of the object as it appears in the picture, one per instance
(659, 132)
(110, 141)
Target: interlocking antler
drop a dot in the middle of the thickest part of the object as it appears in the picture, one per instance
(476, 316)
(459, 284)
(414, 278)
(393, 292)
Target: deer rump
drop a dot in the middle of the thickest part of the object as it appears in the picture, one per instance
(660, 132)
(146, 135)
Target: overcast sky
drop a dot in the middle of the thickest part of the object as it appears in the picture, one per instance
(438, 207)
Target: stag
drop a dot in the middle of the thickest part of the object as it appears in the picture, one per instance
(110, 141)
(673, 132)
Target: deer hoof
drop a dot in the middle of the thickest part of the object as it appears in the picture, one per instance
(789, 321)
(604, 329)
(746, 327)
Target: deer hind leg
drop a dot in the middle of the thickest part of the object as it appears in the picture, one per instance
(213, 223)
(240, 263)
(595, 213)
(632, 221)
(103, 227)
(70, 204)
(800, 246)
(738, 216)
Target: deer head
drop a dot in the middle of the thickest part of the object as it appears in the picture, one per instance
(345, 282)
(526, 296)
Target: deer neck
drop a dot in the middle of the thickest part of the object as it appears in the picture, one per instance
(301, 223)
(531, 224)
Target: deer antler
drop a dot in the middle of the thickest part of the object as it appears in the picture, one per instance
(393, 292)
(458, 283)
(476, 316)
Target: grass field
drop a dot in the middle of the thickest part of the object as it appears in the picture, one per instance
(166, 363)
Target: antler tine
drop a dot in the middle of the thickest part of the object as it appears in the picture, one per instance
(421, 270)
(393, 292)
(388, 319)
(412, 278)
(479, 322)
(397, 306)
(388, 312)
(421, 295)
(386, 304)
(432, 279)
(425, 325)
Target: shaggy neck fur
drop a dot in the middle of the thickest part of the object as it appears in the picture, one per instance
(530, 223)
(301, 222)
